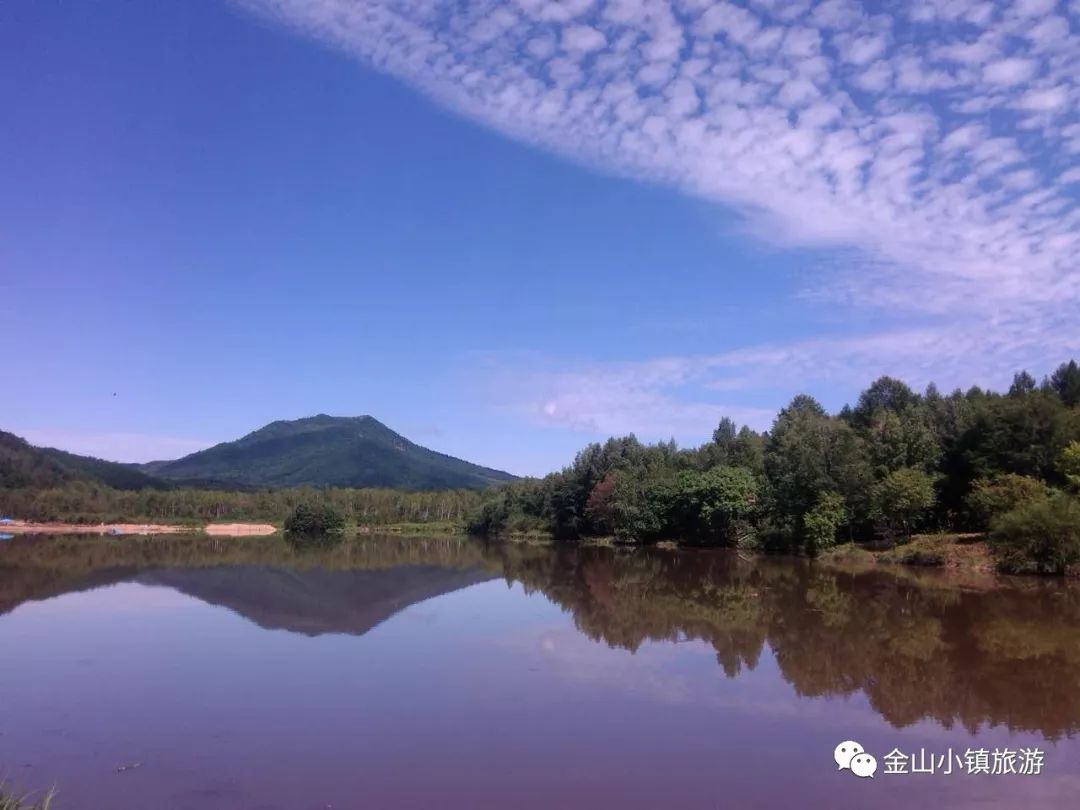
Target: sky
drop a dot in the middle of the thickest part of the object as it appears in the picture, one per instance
(507, 229)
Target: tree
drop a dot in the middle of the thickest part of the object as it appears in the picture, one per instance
(1069, 464)
(1066, 382)
(1022, 384)
(1043, 536)
(711, 506)
(600, 508)
(902, 498)
(884, 394)
(734, 448)
(1022, 435)
(821, 523)
(993, 497)
(315, 520)
(639, 507)
(808, 454)
(903, 439)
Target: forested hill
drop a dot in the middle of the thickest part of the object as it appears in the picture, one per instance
(327, 451)
(24, 466)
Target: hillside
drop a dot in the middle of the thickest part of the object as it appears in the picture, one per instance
(327, 451)
(23, 465)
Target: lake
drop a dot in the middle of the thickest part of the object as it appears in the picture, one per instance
(195, 672)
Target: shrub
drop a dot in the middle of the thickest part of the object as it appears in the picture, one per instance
(315, 520)
(1041, 536)
(922, 557)
(1069, 464)
(821, 522)
(992, 497)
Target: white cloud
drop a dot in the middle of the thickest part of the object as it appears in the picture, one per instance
(863, 50)
(1009, 71)
(935, 151)
(702, 107)
(1045, 99)
(583, 38)
(685, 396)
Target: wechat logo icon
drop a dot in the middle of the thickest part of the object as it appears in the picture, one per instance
(850, 755)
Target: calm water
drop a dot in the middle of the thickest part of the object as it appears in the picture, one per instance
(405, 673)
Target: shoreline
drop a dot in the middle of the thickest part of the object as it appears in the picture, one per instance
(213, 529)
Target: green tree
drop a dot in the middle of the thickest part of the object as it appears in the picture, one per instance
(1022, 435)
(809, 454)
(1041, 536)
(821, 523)
(1022, 384)
(639, 507)
(731, 447)
(1066, 382)
(315, 520)
(992, 497)
(905, 439)
(884, 394)
(901, 499)
(712, 506)
(1069, 464)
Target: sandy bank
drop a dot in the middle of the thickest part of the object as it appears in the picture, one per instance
(219, 529)
(240, 529)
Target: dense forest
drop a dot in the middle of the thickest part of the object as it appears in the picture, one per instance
(895, 463)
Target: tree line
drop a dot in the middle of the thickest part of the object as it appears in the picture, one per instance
(895, 463)
(87, 501)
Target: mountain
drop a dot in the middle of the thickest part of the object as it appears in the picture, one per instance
(23, 465)
(327, 451)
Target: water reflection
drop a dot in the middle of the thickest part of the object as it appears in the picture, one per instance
(918, 647)
(1004, 653)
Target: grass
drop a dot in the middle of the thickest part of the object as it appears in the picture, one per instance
(941, 550)
(952, 551)
(25, 801)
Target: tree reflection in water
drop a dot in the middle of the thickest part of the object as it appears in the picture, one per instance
(918, 646)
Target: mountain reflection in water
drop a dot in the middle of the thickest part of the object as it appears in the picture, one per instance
(918, 646)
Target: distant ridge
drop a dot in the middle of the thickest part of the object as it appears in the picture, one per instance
(327, 451)
(23, 465)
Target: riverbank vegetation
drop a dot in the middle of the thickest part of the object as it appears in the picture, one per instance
(24, 801)
(315, 523)
(895, 463)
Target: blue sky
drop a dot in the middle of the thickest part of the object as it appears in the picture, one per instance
(507, 229)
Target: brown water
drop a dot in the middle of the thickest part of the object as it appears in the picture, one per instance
(407, 673)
